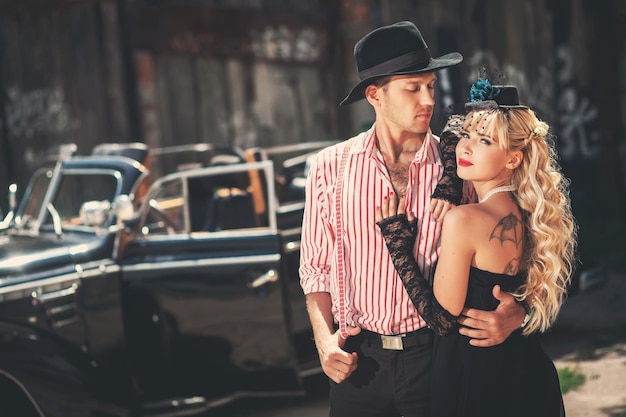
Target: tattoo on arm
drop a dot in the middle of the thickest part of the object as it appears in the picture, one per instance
(506, 229)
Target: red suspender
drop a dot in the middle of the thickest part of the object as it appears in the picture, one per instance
(341, 278)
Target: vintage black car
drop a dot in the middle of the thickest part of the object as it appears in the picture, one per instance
(166, 291)
(149, 284)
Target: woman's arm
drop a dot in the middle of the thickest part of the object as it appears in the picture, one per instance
(455, 257)
(399, 236)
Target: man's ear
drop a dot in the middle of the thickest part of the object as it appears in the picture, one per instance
(372, 93)
(514, 159)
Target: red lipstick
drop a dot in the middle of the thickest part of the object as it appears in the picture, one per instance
(463, 163)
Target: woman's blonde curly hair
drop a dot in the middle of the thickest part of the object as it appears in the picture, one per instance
(543, 197)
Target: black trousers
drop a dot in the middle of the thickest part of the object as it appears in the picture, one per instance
(386, 383)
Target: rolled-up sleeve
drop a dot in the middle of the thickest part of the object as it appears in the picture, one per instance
(318, 241)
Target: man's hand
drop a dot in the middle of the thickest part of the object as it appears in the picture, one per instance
(337, 364)
(490, 328)
(439, 208)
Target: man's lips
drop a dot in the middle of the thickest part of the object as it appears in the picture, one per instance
(462, 162)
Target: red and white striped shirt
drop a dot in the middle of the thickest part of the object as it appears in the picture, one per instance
(375, 297)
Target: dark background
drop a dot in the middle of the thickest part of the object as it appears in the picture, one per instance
(270, 72)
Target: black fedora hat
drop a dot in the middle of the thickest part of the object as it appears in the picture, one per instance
(397, 49)
(483, 95)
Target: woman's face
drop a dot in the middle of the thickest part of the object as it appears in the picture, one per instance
(481, 157)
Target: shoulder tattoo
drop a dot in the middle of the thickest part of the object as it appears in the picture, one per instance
(507, 230)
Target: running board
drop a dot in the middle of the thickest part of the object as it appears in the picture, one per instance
(177, 407)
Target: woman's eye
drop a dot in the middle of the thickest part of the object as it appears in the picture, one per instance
(464, 135)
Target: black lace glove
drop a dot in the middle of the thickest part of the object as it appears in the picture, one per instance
(450, 186)
(400, 237)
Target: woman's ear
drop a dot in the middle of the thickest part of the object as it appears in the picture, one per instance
(514, 159)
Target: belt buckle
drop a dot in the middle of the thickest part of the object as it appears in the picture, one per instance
(392, 342)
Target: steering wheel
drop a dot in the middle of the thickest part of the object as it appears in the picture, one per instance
(171, 224)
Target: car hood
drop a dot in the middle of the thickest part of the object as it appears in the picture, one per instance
(22, 256)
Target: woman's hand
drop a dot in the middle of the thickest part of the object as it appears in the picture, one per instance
(390, 207)
(439, 208)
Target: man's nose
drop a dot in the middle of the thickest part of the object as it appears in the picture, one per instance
(426, 99)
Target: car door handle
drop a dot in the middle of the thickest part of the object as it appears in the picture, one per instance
(266, 278)
(53, 295)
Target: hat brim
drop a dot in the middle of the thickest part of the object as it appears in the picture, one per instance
(490, 105)
(358, 91)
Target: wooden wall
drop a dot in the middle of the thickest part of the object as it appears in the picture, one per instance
(269, 72)
(61, 81)
(232, 77)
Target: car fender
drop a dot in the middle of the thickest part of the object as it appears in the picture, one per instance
(48, 377)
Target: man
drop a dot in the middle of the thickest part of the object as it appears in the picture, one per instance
(379, 357)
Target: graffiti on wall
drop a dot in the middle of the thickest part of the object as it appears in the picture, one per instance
(571, 112)
(43, 111)
(285, 44)
(270, 43)
(576, 113)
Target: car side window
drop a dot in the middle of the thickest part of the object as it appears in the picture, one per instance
(207, 200)
(164, 211)
(222, 202)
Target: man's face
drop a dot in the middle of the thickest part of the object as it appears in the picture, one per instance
(407, 101)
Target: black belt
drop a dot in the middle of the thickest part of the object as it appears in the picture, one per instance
(421, 337)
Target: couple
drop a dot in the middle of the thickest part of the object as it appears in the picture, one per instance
(385, 192)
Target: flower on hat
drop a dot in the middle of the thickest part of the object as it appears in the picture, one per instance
(540, 130)
(482, 90)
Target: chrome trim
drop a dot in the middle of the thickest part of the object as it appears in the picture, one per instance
(291, 247)
(592, 278)
(286, 208)
(196, 147)
(29, 286)
(24, 390)
(26, 289)
(311, 371)
(253, 231)
(201, 404)
(53, 295)
(197, 263)
(266, 278)
(299, 147)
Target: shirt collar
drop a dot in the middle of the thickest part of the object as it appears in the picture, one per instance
(425, 154)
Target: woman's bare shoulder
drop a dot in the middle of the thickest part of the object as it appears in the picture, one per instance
(466, 214)
(467, 220)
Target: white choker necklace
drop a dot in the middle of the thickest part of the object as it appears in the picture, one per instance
(500, 189)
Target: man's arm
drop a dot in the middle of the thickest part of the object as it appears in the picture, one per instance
(490, 328)
(336, 363)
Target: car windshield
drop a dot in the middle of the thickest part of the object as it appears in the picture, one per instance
(34, 200)
(75, 188)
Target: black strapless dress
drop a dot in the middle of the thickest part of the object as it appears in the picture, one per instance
(515, 378)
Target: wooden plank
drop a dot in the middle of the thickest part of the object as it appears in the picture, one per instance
(213, 107)
(258, 35)
(115, 105)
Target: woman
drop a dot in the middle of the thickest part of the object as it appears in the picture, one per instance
(520, 235)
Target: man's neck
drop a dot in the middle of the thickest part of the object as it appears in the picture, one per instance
(394, 145)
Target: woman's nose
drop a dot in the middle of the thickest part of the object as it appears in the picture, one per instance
(463, 146)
